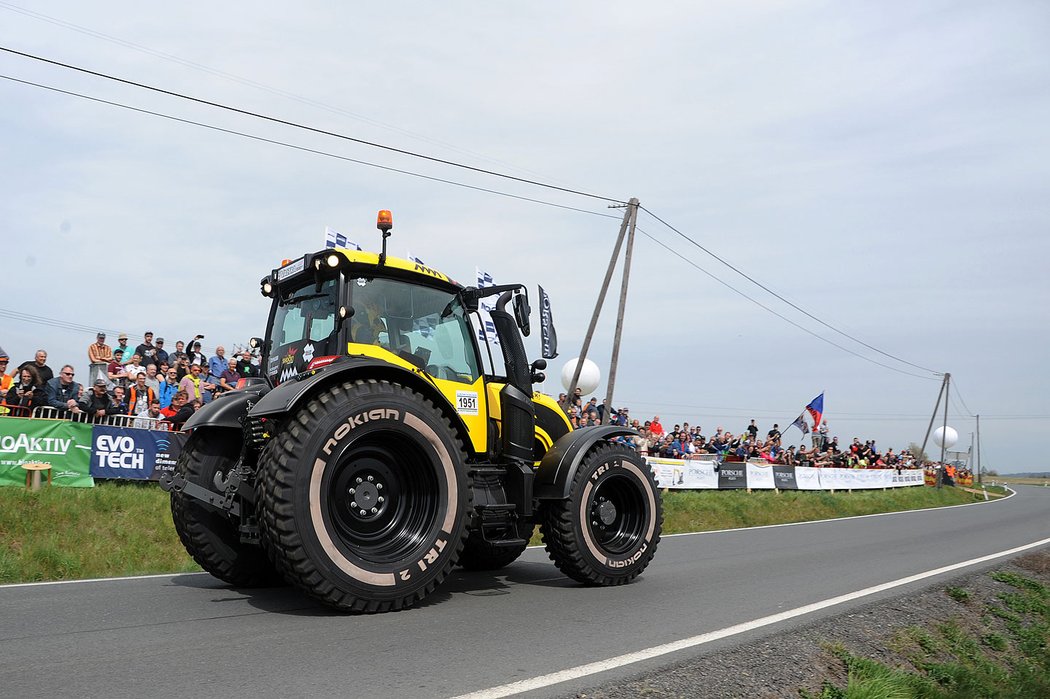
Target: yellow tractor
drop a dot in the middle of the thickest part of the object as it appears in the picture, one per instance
(374, 453)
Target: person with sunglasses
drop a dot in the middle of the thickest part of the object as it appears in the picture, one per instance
(168, 387)
(63, 392)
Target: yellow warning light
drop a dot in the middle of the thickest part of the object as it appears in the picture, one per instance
(385, 220)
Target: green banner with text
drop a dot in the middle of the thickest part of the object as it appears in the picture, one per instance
(66, 446)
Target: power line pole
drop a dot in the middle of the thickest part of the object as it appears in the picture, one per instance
(942, 392)
(979, 474)
(630, 216)
(632, 210)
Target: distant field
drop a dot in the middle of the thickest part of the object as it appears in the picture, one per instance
(1017, 480)
(119, 529)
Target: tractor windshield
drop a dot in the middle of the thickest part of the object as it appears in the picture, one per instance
(425, 326)
(303, 327)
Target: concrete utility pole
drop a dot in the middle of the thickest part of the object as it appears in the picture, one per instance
(980, 478)
(630, 216)
(632, 209)
(942, 392)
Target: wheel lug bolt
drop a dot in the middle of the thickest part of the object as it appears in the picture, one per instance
(594, 524)
(379, 486)
(370, 479)
(359, 480)
(353, 504)
(364, 512)
(381, 499)
(375, 509)
(352, 491)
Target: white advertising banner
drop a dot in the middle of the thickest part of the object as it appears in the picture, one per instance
(684, 474)
(860, 478)
(702, 473)
(807, 477)
(760, 475)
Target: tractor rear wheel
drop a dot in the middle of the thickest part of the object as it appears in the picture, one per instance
(365, 496)
(607, 530)
(211, 536)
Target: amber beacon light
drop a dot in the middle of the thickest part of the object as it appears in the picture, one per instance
(385, 220)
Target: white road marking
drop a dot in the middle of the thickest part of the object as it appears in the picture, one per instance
(96, 580)
(574, 673)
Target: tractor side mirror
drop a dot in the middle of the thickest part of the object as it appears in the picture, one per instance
(521, 313)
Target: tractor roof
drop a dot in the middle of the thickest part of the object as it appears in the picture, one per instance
(363, 262)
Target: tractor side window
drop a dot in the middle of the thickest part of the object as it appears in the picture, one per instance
(304, 327)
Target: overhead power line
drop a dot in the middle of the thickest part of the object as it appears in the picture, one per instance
(304, 149)
(779, 315)
(460, 184)
(793, 305)
(304, 127)
(248, 82)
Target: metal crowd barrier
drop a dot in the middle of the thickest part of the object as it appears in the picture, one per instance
(46, 412)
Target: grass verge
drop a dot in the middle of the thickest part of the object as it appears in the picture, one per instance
(125, 528)
(995, 644)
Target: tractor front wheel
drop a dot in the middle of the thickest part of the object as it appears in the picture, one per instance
(365, 496)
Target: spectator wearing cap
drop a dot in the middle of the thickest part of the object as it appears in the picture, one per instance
(193, 352)
(6, 381)
(194, 386)
(161, 356)
(39, 362)
(97, 403)
(146, 351)
(116, 373)
(99, 356)
(122, 345)
(63, 392)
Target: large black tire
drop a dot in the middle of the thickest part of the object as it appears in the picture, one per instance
(607, 530)
(375, 448)
(209, 535)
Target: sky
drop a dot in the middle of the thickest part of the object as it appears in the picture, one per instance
(883, 166)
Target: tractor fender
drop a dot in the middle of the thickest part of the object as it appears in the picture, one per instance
(227, 409)
(556, 470)
(287, 396)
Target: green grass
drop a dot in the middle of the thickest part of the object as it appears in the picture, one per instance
(112, 529)
(1007, 656)
(125, 528)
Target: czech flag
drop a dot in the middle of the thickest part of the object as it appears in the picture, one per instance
(816, 410)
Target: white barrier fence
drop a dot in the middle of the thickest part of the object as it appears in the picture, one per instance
(709, 473)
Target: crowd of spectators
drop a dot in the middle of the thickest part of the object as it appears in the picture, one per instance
(685, 441)
(157, 387)
(165, 388)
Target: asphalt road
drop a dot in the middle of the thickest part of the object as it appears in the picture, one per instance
(189, 635)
